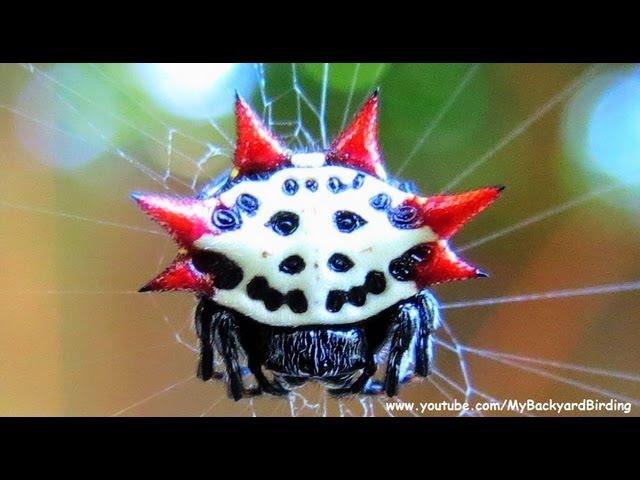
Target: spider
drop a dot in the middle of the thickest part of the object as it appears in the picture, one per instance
(313, 265)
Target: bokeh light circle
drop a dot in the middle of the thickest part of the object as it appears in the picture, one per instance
(196, 91)
(62, 121)
(602, 126)
(613, 134)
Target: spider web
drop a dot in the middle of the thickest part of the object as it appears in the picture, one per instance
(191, 158)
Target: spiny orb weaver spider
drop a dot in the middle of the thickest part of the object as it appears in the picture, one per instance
(313, 266)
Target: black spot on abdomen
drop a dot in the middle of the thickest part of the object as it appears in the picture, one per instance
(290, 186)
(258, 289)
(297, 301)
(358, 181)
(226, 219)
(335, 185)
(375, 283)
(292, 265)
(273, 299)
(357, 296)
(380, 201)
(403, 268)
(226, 273)
(340, 263)
(248, 203)
(347, 221)
(335, 300)
(311, 184)
(284, 223)
(405, 217)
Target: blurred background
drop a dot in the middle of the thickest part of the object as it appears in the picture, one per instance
(76, 338)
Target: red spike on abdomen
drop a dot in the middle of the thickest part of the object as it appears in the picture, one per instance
(446, 214)
(186, 219)
(442, 265)
(357, 145)
(257, 148)
(181, 275)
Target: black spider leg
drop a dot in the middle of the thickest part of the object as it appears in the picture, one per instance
(252, 339)
(289, 381)
(273, 388)
(360, 384)
(217, 327)
(428, 322)
(203, 321)
(225, 336)
(416, 320)
(402, 332)
(222, 328)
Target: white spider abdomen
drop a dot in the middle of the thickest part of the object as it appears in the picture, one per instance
(292, 246)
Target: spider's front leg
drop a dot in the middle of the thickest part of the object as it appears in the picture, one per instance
(218, 329)
(226, 338)
(203, 320)
(415, 320)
